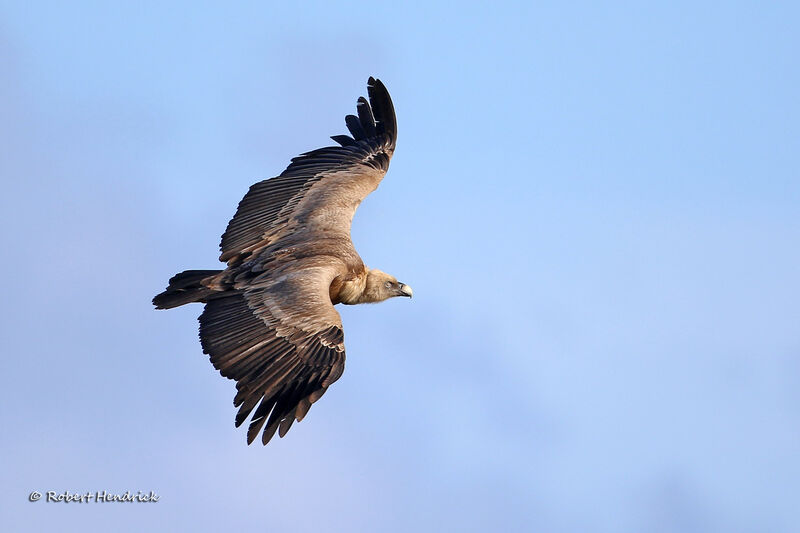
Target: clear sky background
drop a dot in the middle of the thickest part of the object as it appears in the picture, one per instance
(598, 207)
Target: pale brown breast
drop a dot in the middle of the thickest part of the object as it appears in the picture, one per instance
(346, 290)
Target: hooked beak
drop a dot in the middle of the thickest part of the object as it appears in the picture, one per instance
(405, 290)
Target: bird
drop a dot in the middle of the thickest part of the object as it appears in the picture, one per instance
(269, 321)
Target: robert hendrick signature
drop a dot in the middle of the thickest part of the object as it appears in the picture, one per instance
(100, 496)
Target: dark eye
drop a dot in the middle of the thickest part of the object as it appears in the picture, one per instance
(388, 284)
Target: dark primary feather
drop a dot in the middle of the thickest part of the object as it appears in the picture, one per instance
(269, 204)
(383, 109)
(365, 118)
(355, 127)
(344, 140)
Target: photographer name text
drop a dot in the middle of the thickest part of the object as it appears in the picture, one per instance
(100, 496)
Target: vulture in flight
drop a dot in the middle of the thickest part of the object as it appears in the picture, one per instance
(269, 321)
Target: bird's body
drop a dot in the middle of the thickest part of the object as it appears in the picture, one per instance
(269, 321)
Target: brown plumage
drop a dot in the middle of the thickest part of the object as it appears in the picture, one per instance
(269, 321)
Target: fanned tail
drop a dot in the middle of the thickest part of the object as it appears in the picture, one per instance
(185, 288)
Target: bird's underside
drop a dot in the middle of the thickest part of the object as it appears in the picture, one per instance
(269, 321)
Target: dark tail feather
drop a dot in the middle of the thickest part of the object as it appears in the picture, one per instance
(185, 288)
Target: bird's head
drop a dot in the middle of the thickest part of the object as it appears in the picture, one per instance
(381, 286)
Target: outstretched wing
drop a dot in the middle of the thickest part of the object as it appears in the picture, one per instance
(282, 342)
(321, 189)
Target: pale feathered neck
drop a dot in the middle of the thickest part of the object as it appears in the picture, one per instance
(374, 289)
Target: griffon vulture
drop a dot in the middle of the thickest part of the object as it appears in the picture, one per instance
(269, 320)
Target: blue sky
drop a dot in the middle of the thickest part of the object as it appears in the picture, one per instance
(598, 207)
